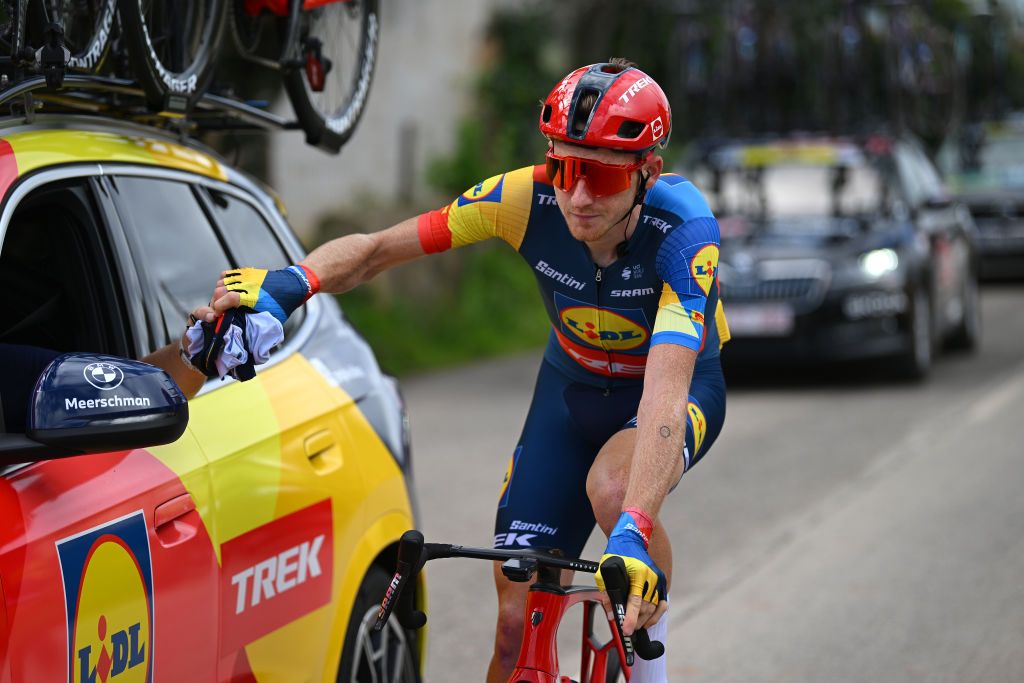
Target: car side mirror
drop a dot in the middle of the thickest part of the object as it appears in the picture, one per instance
(90, 403)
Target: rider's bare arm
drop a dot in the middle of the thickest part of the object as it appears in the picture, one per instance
(661, 427)
(347, 261)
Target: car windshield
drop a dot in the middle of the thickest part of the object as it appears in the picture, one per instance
(796, 189)
(986, 159)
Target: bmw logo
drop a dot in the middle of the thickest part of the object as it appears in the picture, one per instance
(103, 376)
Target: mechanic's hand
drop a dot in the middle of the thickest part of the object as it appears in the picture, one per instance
(278, 292)
(647, 585)
(204, 313)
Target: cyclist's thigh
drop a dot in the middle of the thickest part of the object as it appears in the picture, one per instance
(543, 502)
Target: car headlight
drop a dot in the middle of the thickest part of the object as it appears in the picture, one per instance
(878, 262)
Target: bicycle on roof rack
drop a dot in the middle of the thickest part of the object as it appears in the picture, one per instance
(56, 53)
(70, 35)
(546, 605)
(171, 45)
(325, 50)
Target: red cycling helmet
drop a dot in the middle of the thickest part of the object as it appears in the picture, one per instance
(631, 113)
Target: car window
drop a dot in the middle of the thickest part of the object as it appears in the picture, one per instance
(931, 183)
(61, 291)
(931, 180)
(910, 174)
(175, 247)
(250, 239)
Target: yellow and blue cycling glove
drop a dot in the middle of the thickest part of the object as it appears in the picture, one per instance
(629, 540)
(278, 292)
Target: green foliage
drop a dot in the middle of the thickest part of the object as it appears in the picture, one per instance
(491, 308)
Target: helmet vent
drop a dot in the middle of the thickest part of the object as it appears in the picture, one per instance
(545, 114)
(630, 130)
(583, 110)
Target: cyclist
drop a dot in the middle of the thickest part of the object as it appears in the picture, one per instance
(630, 393)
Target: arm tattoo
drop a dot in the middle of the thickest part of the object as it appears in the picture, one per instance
(665, 432)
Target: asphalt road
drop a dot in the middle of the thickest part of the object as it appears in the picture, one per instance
(845, 527)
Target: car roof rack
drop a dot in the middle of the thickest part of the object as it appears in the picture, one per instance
(118, 98)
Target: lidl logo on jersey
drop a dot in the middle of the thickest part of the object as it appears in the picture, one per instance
(704, 266)
(487, 191)
(611, 329)
(699, 425)
(108, 597)
(503, 497)
(603, 328)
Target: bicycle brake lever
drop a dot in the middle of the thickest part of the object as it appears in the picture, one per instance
(410, 550)
(616, 582)
(616, 585)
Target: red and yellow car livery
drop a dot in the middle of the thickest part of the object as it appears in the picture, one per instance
(252, 548)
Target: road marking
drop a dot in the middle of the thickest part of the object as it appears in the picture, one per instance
(997, 399)
(980, 404)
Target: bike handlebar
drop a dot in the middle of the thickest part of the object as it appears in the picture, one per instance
(413, 553)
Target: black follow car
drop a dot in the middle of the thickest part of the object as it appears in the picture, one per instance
(984, 167)
(835, 249)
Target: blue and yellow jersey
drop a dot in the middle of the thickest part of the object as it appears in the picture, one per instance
(663, 290)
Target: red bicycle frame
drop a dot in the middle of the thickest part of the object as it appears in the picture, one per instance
(546, 604)
(538, 655)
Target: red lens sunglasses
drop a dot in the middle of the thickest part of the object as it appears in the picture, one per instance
(602, 179)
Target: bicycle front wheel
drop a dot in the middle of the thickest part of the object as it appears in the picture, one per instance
(171, 45)
(329, 85)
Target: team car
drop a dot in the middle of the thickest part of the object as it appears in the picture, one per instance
(984, 168)
(258, 544)
(839, 248)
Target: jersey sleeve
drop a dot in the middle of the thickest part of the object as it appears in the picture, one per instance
(688, 264)
(496, 207)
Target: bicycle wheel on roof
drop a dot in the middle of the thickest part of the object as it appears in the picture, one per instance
(171, 45)
(87, 30)
(330, 85)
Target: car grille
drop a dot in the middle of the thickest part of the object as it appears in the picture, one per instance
(997, 212)
(793, 290)
(802, 283)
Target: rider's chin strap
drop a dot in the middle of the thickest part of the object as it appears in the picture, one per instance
(638, 200)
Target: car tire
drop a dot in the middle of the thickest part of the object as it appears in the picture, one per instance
(966, 335)
(916, 361)
(385, 657)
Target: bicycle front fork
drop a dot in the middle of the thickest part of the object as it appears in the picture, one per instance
(538, 655)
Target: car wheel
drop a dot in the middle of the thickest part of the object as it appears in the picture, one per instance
(967, 334)
(916, 361)
(368, 657)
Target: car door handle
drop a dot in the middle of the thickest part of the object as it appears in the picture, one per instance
(323, 452)
(176, 521)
